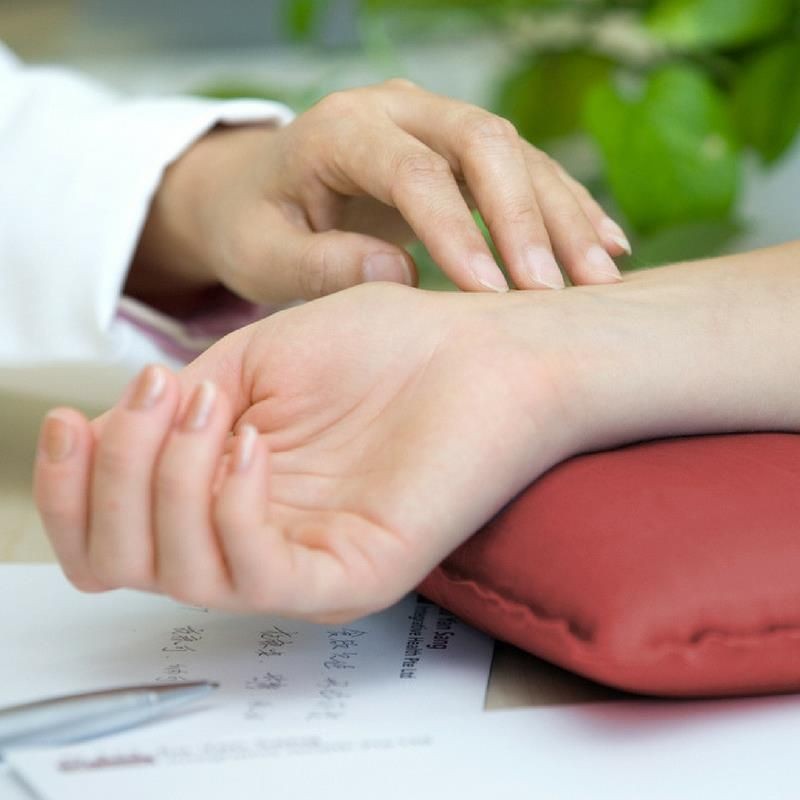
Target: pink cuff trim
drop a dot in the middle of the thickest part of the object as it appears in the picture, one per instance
(185, 339)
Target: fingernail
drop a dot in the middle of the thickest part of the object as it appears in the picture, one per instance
(244, 448)
(57, 440)
(542, 268)
(200, 407)
(149, 388)
(386, 267)
(601, 263)
(614, 233)
(487, 273)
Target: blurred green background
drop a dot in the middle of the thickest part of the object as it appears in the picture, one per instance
(657, 102)
(666, 109)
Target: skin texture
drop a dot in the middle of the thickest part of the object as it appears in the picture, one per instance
(384, 425)
(329, 201)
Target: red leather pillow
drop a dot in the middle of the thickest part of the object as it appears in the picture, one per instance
(668, 568)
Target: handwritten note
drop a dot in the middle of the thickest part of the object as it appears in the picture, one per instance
(407, 661)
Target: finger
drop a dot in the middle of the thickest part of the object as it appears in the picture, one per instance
(487, 151)
(274, 568)
(576, 243)
(260, 561)
(189, 563)
(309, 265)
(121, 550)
(61, 490)
(482, 147)
(610, 232)
(397, 169)
(493, 165)
(253, 551)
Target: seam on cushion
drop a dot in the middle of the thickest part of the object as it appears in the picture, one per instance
(736, 637)
(657, 649)
(581, 633)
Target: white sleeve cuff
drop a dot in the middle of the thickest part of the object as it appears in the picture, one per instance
(80, 167)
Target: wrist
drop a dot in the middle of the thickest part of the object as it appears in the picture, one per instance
(706, 347)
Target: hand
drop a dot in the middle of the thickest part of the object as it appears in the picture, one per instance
(377, 428)
(374, 431)
(328, 202)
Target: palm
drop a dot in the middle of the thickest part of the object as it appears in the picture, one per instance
(380, 423)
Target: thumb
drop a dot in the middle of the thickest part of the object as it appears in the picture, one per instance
(306, 265)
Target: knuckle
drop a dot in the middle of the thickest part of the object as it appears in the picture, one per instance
(539, 161)
(173, 485)
(338, 103)
(571, 219)
(538, 156)
(483, 128)
(113, 459)
(421, 167)
(441, 218)
(518, 210)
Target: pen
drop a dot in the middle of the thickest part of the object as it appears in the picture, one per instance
(72, 718)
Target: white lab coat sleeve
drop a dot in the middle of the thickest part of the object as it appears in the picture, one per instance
(78, 169)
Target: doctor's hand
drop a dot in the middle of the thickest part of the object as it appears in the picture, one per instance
(330, 200)
(317, 464)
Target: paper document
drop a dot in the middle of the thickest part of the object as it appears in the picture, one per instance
(603, 751)
(11, 787)
(414, 658)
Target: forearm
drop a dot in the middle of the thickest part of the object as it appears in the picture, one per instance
(705, 347)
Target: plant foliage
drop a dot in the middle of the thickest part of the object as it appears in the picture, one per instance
(672, 95)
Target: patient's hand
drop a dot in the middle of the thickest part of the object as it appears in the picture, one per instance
(375, 430)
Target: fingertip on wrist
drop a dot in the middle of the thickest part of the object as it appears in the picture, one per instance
(542, 268)
(601, 265)
(614, 234)
(486, 273)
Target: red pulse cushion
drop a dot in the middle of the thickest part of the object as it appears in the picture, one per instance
(668, 568)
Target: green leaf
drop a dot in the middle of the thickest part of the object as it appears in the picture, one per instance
(670, 155)
(545, 98)
(766, 99)
(301, 16)
(717, 23)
